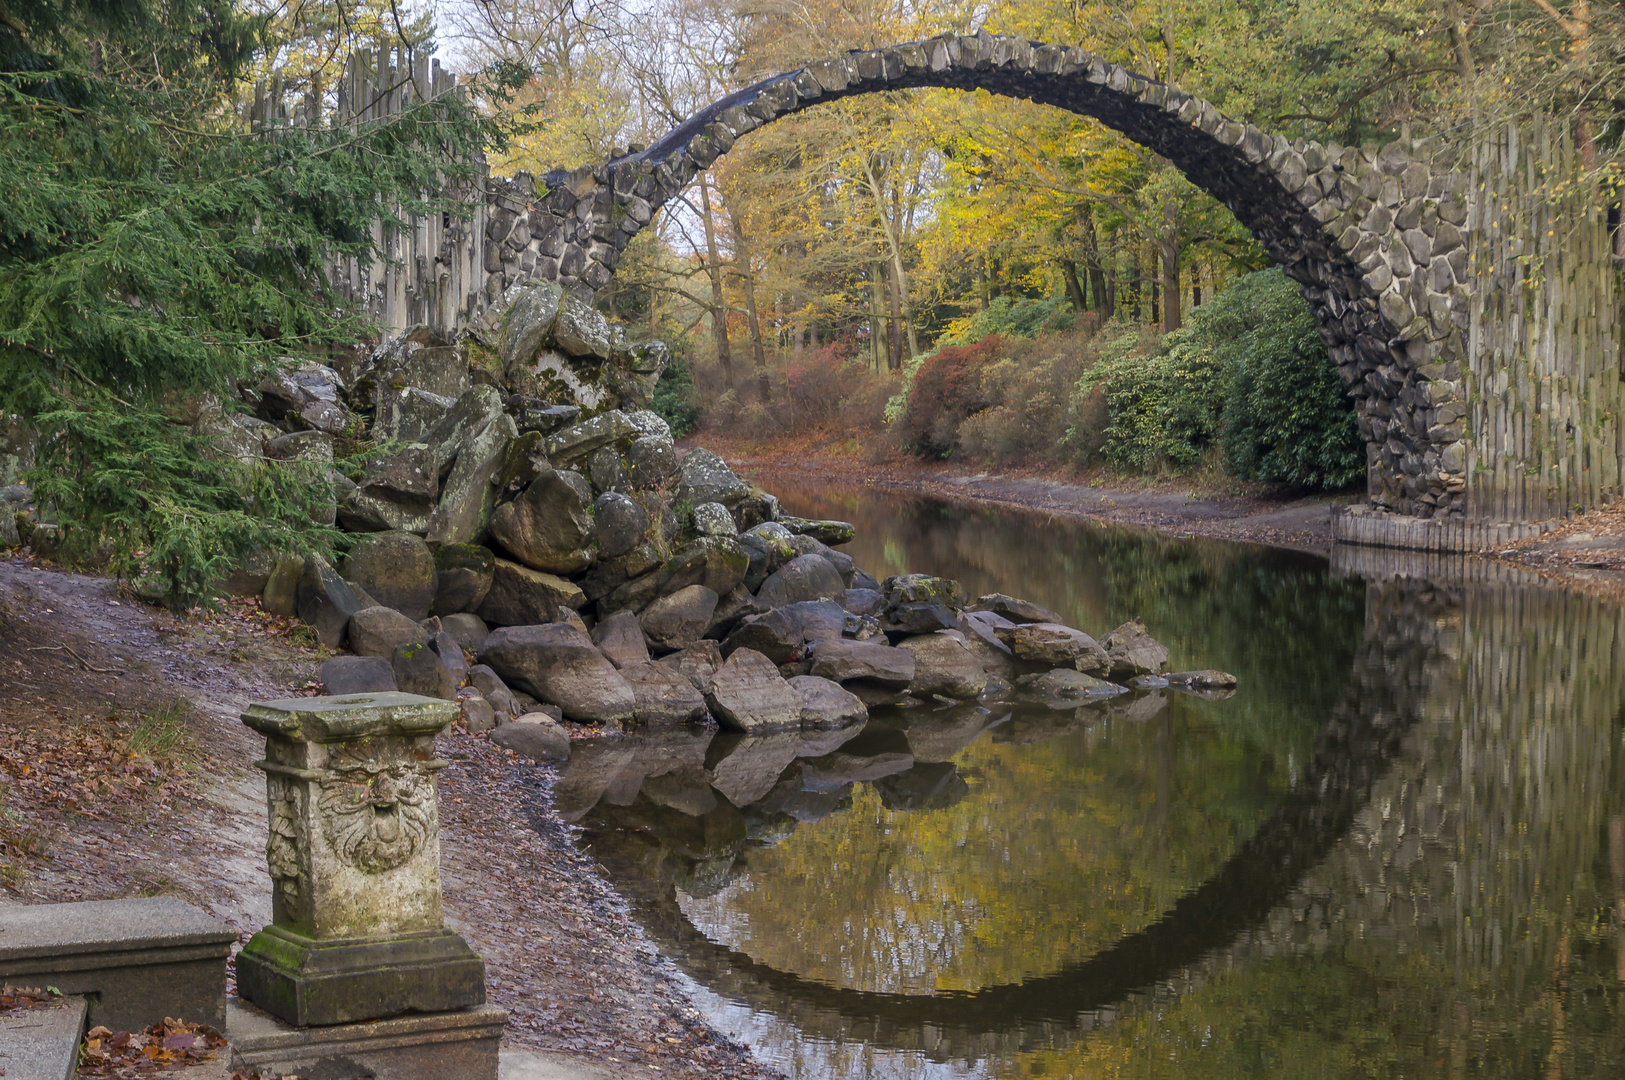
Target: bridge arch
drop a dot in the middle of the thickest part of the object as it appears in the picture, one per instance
(1373, 236)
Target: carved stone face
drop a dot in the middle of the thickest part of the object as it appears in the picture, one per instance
(376, 814)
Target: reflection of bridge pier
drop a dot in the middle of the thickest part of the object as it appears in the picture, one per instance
(1463, 809)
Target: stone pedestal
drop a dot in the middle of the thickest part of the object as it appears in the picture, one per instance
(463, 1044)
(354, 856)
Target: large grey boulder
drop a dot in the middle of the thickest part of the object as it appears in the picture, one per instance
(647, 423)
(467, 629)
(475, 410)
(713, 519)
(825, 705)
(1054, 645)
(325, 601)
(622, 524)
(395, 568)
(747, 694)
(527, 323)
(536, 736)
(520, 596)
(677, 621)
(345, 675)
(493, 689)
(651, 461)
(1015, 610)
(769, 546)
(663, 695)
(844, 661)
(397, 491)
(806, 577)
(574, 445)
(379, 631)
(705, 478)
(979, 631)
(420, 670)
(944, 664)
(731, 610)
(782, 633)
(463, 576)
(698, 663)
(581, 331)
(607, 472)
(410, 413)
(1133, 651)
(620, 639)
(716, 562)
(475, 438)
(550, 525)
(558, 664)
(450, 651)
(826, 532)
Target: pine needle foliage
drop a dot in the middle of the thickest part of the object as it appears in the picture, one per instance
(154, 251)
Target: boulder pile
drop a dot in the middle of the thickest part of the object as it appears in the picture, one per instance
(532, 544)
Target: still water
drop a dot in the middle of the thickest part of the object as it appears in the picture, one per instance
(1397, 850)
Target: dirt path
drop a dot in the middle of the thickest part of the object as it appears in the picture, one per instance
(124, 771)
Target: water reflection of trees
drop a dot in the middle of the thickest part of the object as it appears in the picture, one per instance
(1437, 892)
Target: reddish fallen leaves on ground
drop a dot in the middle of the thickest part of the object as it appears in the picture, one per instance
(86, 769)
(124, 1054)
(15, 999)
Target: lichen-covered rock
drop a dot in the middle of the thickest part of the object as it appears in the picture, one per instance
(705, 477)
(716, 562)
(651, 460)
(1207, 678)
(825, 705)
(1053, 645)
(901, 589)
(825, 532)
(409, 414)
(620, 639)
(419, 670)
(559, 664)
(395, 568)
(979, 631)
(379, 631)
(325, 601)
(844, 661)
(944, 664)
(523, 461)
(622, 524)
(663, 695)
(1015, 610)
(576, 444)
(397, 492)
(580, 331)
(520, 596)
(463, 575)
(806, 577)
(550, 526)
(1133, 651)
(606, 472)
(677, 621)
(713, 519)
(921, 618)
(755, 509)
(345, 675)
(647, 423)
(1064, 688)
(748, 694)
(527, 323)
(281, 594)
(468, 493)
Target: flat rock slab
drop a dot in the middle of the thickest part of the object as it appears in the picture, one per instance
(425, 1046)
(42, 1042)
(140, 959)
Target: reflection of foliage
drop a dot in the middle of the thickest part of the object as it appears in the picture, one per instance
(1062, 848)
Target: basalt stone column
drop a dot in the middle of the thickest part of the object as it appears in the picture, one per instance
(354, 856)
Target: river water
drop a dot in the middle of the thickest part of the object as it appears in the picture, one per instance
(1397, 850)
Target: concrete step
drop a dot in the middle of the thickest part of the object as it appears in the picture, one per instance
(42, 1042)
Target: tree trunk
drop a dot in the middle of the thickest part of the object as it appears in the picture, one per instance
(877, 331)
(1196, 284)
(894, 336)
(747, 278)
(1172, 293)
(1135, 285)
(1156, 287)
(1074, 288)
(982, 288)
(719, 301)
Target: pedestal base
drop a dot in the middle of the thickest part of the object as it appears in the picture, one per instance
(435, 1046)
(310, 983)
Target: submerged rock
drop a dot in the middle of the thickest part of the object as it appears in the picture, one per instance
(1133, 651)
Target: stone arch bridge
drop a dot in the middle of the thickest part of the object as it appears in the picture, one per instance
(1474, 317)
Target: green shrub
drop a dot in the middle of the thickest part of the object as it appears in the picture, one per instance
(674, 398)
(1248, 373)
(1026, 318)
(1287, 415)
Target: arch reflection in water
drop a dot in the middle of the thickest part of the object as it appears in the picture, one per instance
(1414, 875)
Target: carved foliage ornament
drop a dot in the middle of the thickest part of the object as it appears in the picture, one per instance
(376, 813)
